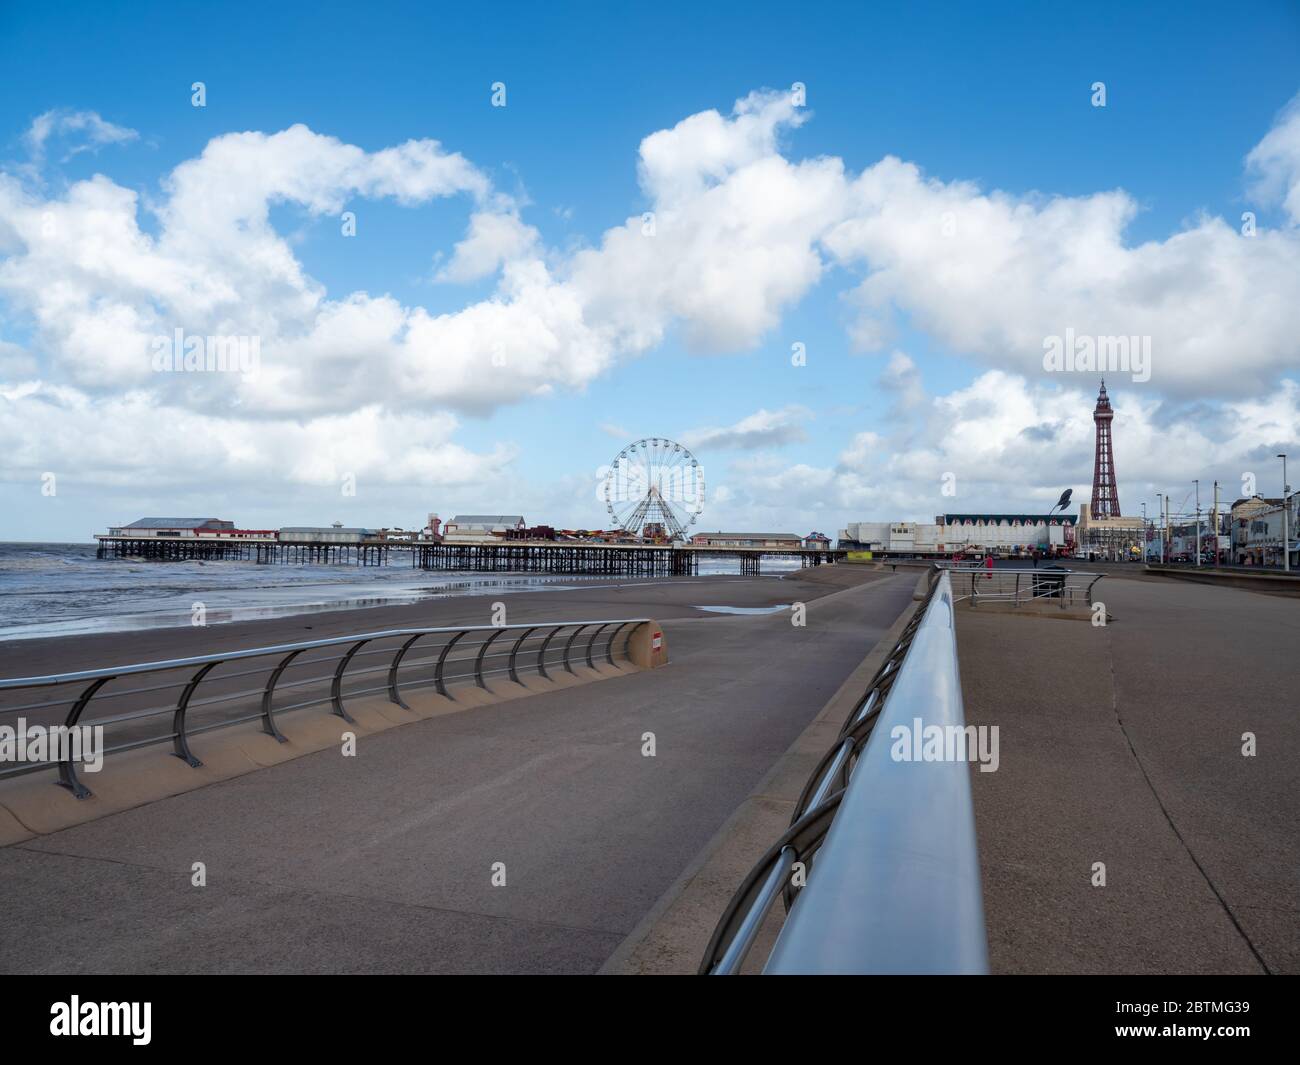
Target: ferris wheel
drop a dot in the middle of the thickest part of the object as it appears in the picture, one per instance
(655, 487)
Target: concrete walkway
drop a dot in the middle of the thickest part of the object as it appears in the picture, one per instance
(384, 862)
(1123, 745)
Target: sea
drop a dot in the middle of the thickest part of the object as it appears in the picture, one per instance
(64, 590)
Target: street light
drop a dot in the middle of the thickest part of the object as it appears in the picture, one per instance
(1197, 483)
(1160, 510)
(1286, 530)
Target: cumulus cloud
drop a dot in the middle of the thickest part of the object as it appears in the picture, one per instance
(735, 233)
(678, 165)
(761, 429)
(119, 440)
(1274, 163)
(16, 362)
(993, 275)
(903, 380)
(98, 286)
(87, 127)
(1012, 443)
(494, 237)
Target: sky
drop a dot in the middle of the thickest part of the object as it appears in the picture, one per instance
(475, 251)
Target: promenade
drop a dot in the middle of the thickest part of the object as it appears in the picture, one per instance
(1119, 745)
(1123, 745)
(384, 862)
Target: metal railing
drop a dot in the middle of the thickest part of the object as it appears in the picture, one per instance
(1049, 584)
(242, 686)
(878, 870)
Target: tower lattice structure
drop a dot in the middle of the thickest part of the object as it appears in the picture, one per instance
(1105, 490)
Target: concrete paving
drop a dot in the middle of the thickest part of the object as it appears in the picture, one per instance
(384, 862)
(1123, 744)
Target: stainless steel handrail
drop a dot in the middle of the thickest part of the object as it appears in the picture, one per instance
(896, 884)
(195, 670)
(887, 849)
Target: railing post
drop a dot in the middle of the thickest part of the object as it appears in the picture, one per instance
(592, 643)
(609, 647)
(442, 659)
(336, 685)
(268, 713)
(569, 644)
(67, 770)
(541, 655)
(743, 939)
(759, 889)
(478, 662)
(393, 694)
(514, 651)
(180, 744)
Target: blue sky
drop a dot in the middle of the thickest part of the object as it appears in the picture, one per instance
(992, 94)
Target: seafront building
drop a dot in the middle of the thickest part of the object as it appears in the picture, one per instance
(1258, 528)
(149, 527)
(1183, 540)
(954, 534)
(1112, 538)
(481, 528)
(744, 539)
(1008, 535)
(323, 534)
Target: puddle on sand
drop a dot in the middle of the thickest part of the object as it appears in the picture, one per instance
(744, 609)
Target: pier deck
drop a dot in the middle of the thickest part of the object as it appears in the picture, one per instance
(517, 556)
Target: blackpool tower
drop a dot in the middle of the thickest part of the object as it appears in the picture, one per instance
(1105, 492)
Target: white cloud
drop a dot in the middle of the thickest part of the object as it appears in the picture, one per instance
(494, 238)
(15, 362)
(69, 125)
(902, 378)
(119, 441)
(993, 275)
(740, 234)
(680, 164)
(1274, 163)
(98, 287)
(1013, 444)
(761, 429)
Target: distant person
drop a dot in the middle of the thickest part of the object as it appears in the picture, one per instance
(988, 565)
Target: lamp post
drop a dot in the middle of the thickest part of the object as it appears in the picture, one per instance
(1197, 483)
(1165, 545)
(1214, 525)
(1169, 529)
(1286, 530)
(1160, 510)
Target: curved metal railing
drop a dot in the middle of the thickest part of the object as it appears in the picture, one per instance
(856, 898)
(1056, 586)
(243, 686)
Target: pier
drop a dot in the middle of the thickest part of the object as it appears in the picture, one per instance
(514, 556)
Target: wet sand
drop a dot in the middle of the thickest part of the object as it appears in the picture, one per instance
(630, 597)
